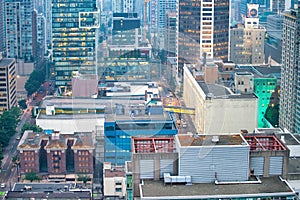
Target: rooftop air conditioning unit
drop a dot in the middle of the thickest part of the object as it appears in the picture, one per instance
(215, 139)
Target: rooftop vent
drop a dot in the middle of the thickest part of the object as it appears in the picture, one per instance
(177, 179)
(210, 95)
(119, 109)
(50, 110)
(282, 139)
(215, 139)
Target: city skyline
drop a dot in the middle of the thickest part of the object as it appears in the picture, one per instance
(149, 99)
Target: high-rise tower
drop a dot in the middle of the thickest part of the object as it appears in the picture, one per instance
(289, 92)
(74, 25)
(123, 6)
(203, 27)
(247, 40)
(18, 15)
(1, 26)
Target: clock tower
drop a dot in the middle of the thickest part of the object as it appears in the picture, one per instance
(252, 10)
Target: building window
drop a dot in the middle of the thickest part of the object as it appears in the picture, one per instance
(118, 189)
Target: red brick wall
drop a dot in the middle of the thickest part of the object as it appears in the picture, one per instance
(60, 157)
(83, 162)
(29, 161)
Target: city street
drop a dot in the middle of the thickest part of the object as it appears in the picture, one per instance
(8, 173)
(169, 98)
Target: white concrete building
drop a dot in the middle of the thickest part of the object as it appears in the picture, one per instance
(7, 84)
(114, 181)
(69, 115)
(217, 108)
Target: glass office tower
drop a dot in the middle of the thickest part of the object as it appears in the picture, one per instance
(1, 26)
(74, 26)
(18, 23)
(203, 28)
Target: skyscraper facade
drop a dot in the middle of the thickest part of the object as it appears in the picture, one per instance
(8, 85)
(203, 26)
(247, 40)
(289, 92)
(220, 30)
(18, 15)
(48, 14)
(74, 25)
(153, 15)
(1, 26)
(117, 6)
(129, 6)
(123, 6)
(171, 34)
(189, 31)
(163, 7)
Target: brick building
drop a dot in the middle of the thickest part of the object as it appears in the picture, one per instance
(57, 154)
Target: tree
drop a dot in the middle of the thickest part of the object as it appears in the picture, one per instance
(33, 127)
(272, 115)
(31, 86)
(15, 158)
(9, 119)
(84, 178)
(32, 176)
(8, 123)
(4, 138)
(17, 112)
(22, 103)
(36, 78)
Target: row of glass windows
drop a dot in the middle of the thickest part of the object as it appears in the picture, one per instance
(140, 126)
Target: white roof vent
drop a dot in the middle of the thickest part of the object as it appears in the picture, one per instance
(215, 139)
(50, 110)
(282, 139)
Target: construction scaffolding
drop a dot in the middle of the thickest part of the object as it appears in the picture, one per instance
(264, 143)
(153, 145)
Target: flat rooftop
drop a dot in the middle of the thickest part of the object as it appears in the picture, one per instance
(109, 105)
(154, 117)
(221, 91)
(215, 89)
(288, 139)
(269, 186)
(128, 166)
(297, 136)
(65, 102)
(260, 71)
(116, 171)
(6, 61)
(48, 195)
(42, 187)
(207, 140)
(70, 116)
(294, 166)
